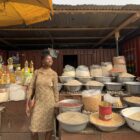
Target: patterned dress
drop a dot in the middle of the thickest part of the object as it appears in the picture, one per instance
(46, 95)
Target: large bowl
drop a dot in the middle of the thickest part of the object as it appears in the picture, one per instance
(72, 88)
(73, 128)
(113, 86)
(130, 103)
(134, 124)
(133, 87)
(125, 79)
(88, 87)
(106, 128)
(84, 79)
(74, 108)
(65, 79)
(103, 79)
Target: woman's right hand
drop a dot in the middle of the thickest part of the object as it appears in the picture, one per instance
(27, 111)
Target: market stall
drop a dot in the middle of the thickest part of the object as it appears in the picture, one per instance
(94, 101)
(99, 90)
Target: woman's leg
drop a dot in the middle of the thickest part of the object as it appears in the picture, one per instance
(35, 136)
(48, 135)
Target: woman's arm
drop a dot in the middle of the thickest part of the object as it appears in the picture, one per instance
(55, 87)
(31, 86)
(30, 91)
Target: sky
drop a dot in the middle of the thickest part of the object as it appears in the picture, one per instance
(96, 2)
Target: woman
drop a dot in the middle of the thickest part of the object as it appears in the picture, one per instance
(44, 83)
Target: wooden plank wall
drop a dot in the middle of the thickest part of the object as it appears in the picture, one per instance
(131, 50)
(85, 57)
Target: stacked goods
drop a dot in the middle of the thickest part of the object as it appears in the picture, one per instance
(73, 121)
(120, 63)
(106, 68)
(94, 85)
(73, 118)
(91, 100)
(73, 83)
(125, 77)
(8, 75)
(69, 71)
(107, 126)
(115, 101)
(119, 60)
(133, 100)
(82, 71)
(112, 122)
(96, 71)
(113, 86)
(70, 105)
(65, 79)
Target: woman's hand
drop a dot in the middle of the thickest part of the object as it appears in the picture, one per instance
(56, 109)
(27, 108)
(27, 111)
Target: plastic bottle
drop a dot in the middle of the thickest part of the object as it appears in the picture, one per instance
(26, 66)
(31, 67)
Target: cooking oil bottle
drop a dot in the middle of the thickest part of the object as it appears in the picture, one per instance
(26, 69)
(31, 67)
(10, 64)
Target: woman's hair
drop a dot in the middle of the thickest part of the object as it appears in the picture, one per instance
(45, 53)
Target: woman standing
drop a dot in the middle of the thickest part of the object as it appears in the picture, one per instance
(44, 84)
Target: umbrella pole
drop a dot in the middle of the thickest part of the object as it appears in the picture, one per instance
(117, 35)
(117, 47)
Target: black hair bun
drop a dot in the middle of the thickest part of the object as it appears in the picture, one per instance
(45, 52)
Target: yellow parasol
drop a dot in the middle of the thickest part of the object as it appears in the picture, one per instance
(14, 12)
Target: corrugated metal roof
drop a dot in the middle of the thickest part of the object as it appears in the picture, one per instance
(96, 2)
(71, 21)
(97, 7)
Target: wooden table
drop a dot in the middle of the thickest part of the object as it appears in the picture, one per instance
(15, 126)
(92, 133)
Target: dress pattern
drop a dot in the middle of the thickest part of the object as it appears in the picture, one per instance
(45, 83)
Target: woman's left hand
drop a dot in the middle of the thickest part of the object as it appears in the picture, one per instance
(56, 109)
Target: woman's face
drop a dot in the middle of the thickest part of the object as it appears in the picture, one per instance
(47, 61)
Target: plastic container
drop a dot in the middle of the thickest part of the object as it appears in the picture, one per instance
(95, 70)
(119, 60)
(82, 71)
(91, 100)
(106, 68)
(70, 105)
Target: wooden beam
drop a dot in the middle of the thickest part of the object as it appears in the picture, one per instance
(131, 19)
(64, 29)
(121, 11)
(67, 43)
(55, 38)
(5, 42)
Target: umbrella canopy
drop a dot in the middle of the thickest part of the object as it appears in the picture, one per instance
(14, 12)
